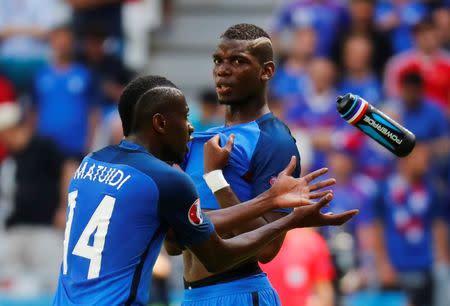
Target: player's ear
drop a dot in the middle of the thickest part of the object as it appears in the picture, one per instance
(159, 123)
(268, 71)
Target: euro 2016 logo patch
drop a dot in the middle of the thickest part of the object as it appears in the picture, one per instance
(195, 213)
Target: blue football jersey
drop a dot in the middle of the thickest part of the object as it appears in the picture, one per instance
(122, 200)
(262, 149)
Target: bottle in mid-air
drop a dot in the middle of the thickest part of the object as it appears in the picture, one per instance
(376, 124)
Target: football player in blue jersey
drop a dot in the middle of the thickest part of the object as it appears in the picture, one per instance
(124, 198)
(243, 66)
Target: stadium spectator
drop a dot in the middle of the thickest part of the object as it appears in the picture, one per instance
(65, 98)
(314, 110)
(326, 17)
(109, 72)
(353, 260)
(289, 79)
(429, 60)
(441, 17)
(30, 188)
(358, 77)
(302, 278)
(7, 95)
(425, 119)
(105, 14)
(362, 23)
(410, 232)
(397, 18)
(24, 29)
(210, 112)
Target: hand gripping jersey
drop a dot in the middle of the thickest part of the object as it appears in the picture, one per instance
(262, 149)
(122, 200)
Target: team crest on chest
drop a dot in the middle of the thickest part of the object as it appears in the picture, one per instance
(195, 213)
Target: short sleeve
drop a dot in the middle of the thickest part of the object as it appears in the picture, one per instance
(272, 154)
(179, 207)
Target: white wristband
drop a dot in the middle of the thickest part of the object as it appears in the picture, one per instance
(215, 180)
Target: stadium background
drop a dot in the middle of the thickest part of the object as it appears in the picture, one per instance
(393, 53)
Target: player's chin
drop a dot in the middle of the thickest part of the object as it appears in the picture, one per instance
(227, 100)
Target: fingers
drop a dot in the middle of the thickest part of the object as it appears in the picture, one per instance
(319, 194)
(290, 167)
(230, 143)
(339, 219)
(214, 140)
(322, 184)
(324, 201)
(315, 174)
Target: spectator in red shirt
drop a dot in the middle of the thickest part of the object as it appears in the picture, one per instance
(429, 59)
(302, 272)
(7, 95)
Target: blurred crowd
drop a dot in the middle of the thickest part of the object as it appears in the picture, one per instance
(64, 63)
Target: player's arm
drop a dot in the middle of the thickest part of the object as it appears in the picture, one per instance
(216, 157)
(180, 210)
(244, 246)
(287, 192)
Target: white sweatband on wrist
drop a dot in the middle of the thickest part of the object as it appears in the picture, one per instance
(215, 180)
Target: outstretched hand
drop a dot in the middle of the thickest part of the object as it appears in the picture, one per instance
(288, 191)
(216, 157)
(310, 215)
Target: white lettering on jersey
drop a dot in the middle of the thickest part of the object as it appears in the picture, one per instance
(97, 173)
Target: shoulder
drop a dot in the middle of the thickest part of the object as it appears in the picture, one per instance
(275, 131)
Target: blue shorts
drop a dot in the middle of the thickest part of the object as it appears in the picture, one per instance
(254, 290)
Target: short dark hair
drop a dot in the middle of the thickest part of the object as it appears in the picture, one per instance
(424, 24)
(246, 31)
(151, 102)
(412, 79)
(131, 94)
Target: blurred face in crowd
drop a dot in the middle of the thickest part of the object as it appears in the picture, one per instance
(417, 163)
(13, 138)
(304, 43)
(93, 47)
(357, 54)
(322, 73)
(411, 94)
(361, 10)
(441, 18)
(427, 39)
(62, 43)
(341, 164)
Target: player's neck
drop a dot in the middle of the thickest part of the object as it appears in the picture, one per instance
(153, 148)
(246, 112)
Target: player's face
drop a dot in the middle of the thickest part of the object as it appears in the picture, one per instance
(237, 73)
(178, 130)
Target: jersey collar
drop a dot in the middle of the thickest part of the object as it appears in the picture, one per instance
(132, 146)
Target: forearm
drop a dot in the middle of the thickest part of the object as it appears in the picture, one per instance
(441, 246)
(325, 294)
(381, 257)
(245, 246)
(238, 218)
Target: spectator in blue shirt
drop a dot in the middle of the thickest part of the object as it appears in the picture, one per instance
(290, 79)
(358, 77)
(65, 98)
(410, 232)
(397, 18)
(326, 17)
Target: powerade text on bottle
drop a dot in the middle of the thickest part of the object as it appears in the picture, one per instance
(376, 124)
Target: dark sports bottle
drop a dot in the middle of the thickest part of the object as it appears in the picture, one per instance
(375, 124)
